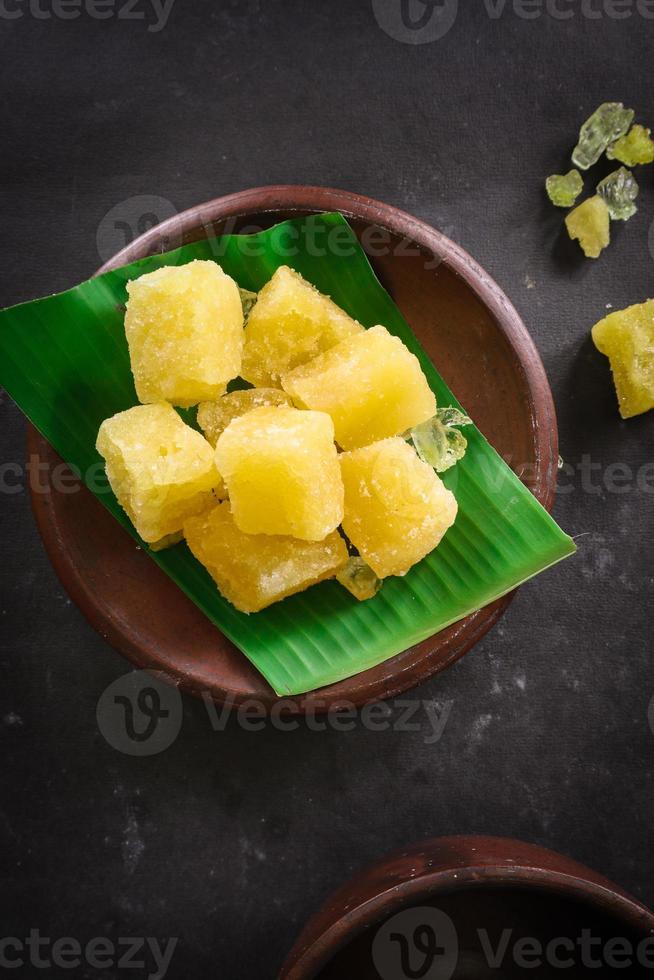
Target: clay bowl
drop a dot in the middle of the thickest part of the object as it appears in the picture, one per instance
(480, 346)
(453, 888)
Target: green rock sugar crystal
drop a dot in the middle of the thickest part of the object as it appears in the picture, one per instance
(619, 190)
(606, 125)
(564, 189)
(438, 442)
(634, 148)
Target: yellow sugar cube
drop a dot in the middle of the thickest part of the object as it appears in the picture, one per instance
(167, 542)
(160, 469)
(184, 327)
(214, 417)
(281, 469)
(397, 508)
(371, 385)
(254, 570)
(290, 324)
(627, 339)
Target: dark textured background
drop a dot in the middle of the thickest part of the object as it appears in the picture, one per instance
(230, 840)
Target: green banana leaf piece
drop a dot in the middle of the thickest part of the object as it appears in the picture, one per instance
(64, 360)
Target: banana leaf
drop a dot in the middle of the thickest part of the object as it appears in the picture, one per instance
(64, 360)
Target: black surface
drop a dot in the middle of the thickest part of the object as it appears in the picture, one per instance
(230, 840)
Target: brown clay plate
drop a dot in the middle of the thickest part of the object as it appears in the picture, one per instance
(484, 353)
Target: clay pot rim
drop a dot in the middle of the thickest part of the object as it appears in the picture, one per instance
(316, 947)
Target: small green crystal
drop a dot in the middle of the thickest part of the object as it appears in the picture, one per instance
(564, 189)
(619, 190)
(248, 299)
(452, 416)
(608, 123)
(359, 579)
(438, 442)
(634, 148)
